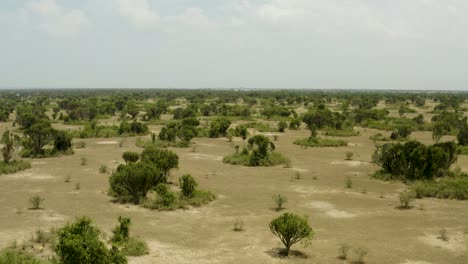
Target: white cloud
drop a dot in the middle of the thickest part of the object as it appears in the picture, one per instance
(139, 12)
(54, 19)
(192, 18)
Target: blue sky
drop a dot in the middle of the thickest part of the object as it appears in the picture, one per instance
(398, 44)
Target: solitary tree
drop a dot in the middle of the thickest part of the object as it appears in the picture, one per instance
(39, 135)
(163, 159)
(290, 229)
(282, 126)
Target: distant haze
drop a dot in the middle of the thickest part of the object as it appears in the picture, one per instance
(359, 44)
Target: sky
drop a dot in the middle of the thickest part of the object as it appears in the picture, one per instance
(319, 44)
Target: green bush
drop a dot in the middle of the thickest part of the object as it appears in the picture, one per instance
(341, 132)
(445, 188)
(320, 142)
(79, 242)
(130, 157)
(188, 185)
(36, 202)
(135, 247)
(14, 166)
(12, 256)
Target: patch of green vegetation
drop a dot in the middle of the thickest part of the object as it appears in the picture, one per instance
(320, 142)
(463, 150)
(273, 159)
(342, 133)
(261, 127)
(162, 144)
(135, 247)
(14, 166)
(169, 200)
(16, 256)
(445, 188)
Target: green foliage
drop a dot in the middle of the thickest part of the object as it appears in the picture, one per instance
(12, 256)
(134, 128)
(462, 136)
(37, 136)
(188, 185)
(349, 155)
(184, 130)
(79, 243)
(166, 197)
(260, 126)
(121, 233)
(295, 123)
(198, 198)
(291, 229)
(219, 127)
(103, 169)
(133, 181)
(445, 188)
(463, 150)
(413, 160)
(282, 126)
(163, 159)
(320, 142)
(8, 149)
(135, 247)
(130, 157)
(341, 133)
(14, 166)
(63, 141)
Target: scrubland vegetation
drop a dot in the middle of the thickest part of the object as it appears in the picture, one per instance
(306, 159)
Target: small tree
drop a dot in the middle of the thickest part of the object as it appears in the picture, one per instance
(291, 229)
(130, 157)
(63, 141)
(462, 136)
(35, 202)
(163, 159)
(188, 185)
(280, 200)
(9, 146)
(121, 233)
(349, 155)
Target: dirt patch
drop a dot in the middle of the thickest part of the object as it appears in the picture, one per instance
(107, 142)
(51, 216)
(329, 210)
(351, 163)
(415, 262)
(299, 170)
(198, 156)
(30, 176)
(455, 242)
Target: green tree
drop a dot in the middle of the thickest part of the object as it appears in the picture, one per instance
(291, 229)
(219, 127)
(79, 243)
(39, 135)
(163, 159)
(135, 180)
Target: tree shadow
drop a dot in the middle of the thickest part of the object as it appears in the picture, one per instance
(280, 253)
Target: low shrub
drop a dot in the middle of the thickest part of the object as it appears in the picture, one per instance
(135, 247)
(14, 166)
(320, 142)
(36, 202)
(13, 256)
(342, 133)
(445, 188)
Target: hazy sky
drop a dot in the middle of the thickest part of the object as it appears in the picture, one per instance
(372, 44)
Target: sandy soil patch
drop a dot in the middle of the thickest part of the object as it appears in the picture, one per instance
(455, 243)
(198, 156)
(352, 163)
(30, 176)
(330, 210)
(51, 216)
(299, 169)
(415, 262)
(107, 142)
